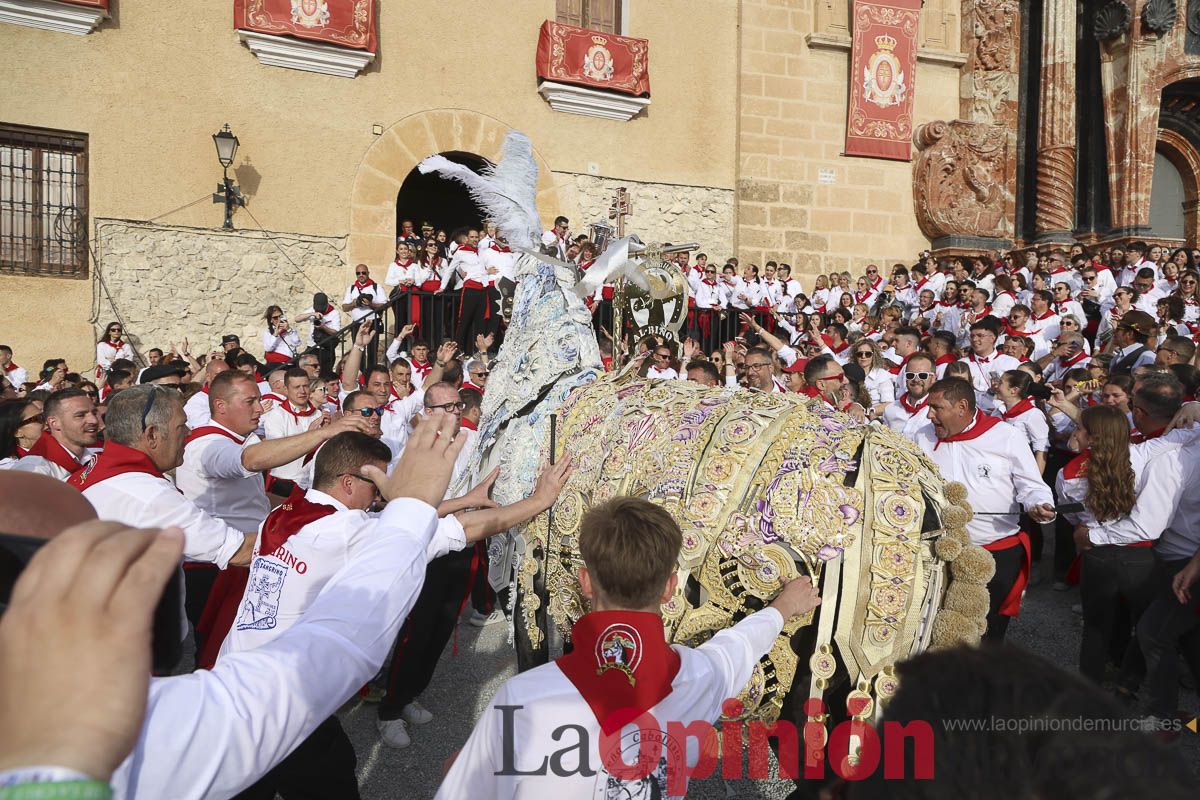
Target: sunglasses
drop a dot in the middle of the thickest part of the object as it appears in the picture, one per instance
(864, 354)
(484, 372)
(367, 412)
(917, 376)
(38, 418)
(361, 478)
(840, 378)
(360, 275)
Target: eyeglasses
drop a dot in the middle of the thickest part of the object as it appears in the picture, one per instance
(361, 478)
(361, 274)
(917, 376)
(662, 355)
(276, 318)
(872, 271)
(367, 412)
(1188, 282)
(1089, 278)
(449, 408)
(483, 372)
(710, 272)
(840, 378)
(758, 365)
(864, 354)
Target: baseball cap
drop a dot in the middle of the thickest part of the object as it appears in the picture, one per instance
(797, 366)
(229, 337)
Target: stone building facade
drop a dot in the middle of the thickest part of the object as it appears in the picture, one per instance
(1036, 121)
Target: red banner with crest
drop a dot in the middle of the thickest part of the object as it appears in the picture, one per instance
(345, 23)
(594, 59)
(883, 71)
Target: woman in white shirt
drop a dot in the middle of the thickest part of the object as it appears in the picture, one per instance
(1022, 412)
(110, 348)
(280, 341)
(880, 382)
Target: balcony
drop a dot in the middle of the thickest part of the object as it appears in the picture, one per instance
(596, 74)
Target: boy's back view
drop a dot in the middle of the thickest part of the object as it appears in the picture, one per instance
(542, 734)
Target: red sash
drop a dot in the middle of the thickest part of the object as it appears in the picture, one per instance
(52, 450)
(620, 661)
(115, 459)
(230, 586)
(277, 358)
(1011, 605)
(208, 430)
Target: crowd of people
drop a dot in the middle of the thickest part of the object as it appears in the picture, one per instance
(1058, 387)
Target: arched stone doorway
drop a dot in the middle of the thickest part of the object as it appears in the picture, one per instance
(388, 162)
(443, 203)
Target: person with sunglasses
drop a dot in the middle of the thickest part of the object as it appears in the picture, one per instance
(880, 385)
(910, 409)
(110, 347)
(1189, 290)
(477, 375)
(21, 425)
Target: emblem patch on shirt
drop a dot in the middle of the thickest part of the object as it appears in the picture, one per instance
(260, 606)
(985, 471)
(651, 787)
(619, 647)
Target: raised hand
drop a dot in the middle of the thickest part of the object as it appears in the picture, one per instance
(424, 470)
(364, 336)
(446, 351)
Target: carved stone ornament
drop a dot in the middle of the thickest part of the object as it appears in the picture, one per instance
(1158, 16)
(1111, 20)
(959, 180)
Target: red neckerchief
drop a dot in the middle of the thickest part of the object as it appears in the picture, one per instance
(53, 451)
(115, 459)
(469, 385)
(1077, 466)
(875, 283)
(296, 415)
(468, 425)
(1009, 330)
(713, 282)
(1059, 271)
(986, 312)
(422, 368)
(1049, 313)
(117, 346)
(1144, 436)
(619, 660)
(209, 430)
(466, 248)
(584, 266)
(921, 283)
(896, 369)
(981, 425)
(21, 452)
(504, 249)
(12, 366)
(360, 286)
(947, 304)
(399, 263)
(861, 297)
(279, 399)
(286, 520)
(946, 359)
(1019, 409)
(1080, 356)
(1010, 294)
(909, 407)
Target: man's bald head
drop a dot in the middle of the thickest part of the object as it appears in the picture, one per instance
(39, 506)
(214, 368)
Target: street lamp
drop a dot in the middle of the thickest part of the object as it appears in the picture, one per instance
(227, 192)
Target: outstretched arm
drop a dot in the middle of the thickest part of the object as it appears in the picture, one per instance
(487, 522)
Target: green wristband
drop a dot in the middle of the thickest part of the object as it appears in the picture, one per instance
(62, 790)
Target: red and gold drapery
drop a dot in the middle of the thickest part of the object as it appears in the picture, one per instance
(883, 67)
(345, 23)
(568, 54)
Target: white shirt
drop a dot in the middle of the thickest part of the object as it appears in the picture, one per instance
(983, 371)
(1181, 539)
(283, 585)
(1057, 368)
(354, 291)
(502, 261)
(214, 732)
(468, 266)
(707, 675)
(197, 409)
(44, 466)
(708, 296)
(396, 422)
(16, 376)
(142, 500)
(655, 372)
(998, 469)
(328, 319)
(287, 345)
(398, 273)
(106, 354)
(213, 477)
(283, 421)
(1033, 425)
(897, 417)
(881, 385)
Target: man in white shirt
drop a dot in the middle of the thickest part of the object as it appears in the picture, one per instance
(499, 264)
(72, 427)
(911, 408)
(985, 362)
(145, 428)
(620, 662)
(363, 299)
(661, 366)
(196, 408)
(556, 240)
(474, 308)
(1148, 292)
(1068, 354)
(293, 416)
(993, 460)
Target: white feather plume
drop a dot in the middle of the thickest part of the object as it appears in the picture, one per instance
(507, 191)
(612, 264)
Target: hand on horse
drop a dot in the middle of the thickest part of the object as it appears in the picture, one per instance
(797, 597)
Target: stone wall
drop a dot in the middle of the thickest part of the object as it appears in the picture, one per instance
(661, 212)
(800, 200)
(169, 282)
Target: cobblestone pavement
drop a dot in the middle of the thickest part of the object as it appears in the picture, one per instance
(466, 681)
